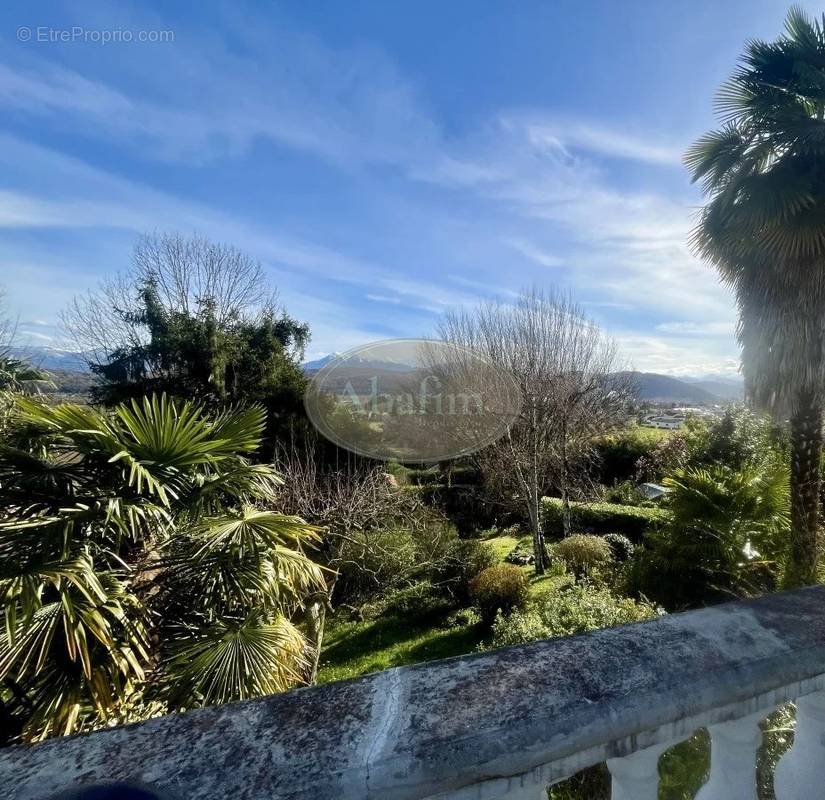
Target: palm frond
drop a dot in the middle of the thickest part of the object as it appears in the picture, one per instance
(234, 660)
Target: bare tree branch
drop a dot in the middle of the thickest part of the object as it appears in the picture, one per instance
(186, 272)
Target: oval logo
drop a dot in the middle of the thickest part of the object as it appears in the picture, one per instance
(412, 400)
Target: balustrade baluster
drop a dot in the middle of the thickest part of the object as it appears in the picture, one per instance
(733, 747)
(636, 777)
(800, 773)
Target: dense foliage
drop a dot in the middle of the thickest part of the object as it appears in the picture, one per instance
(574, 609)
(632, 521)
(194, 354)
(727, 537)
(139, 562)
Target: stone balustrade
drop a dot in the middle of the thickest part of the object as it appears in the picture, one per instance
(502, 725)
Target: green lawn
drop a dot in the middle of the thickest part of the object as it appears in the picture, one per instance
(357, 648)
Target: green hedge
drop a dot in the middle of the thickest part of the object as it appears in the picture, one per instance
(632, 521)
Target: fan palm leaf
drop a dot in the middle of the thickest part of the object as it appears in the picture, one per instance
(234, 660)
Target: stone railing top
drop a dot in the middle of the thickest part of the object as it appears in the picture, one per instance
(413, 732)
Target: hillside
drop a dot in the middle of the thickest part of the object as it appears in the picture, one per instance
(731, 390)
(655, 388)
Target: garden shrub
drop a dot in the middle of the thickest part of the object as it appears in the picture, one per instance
(500, 588)
(399, 472)
(374, 562)
(467, 507)
(583, 553)
(575, 609)
(632, 521)
(620, 546)
(619, 453)
(466, 559)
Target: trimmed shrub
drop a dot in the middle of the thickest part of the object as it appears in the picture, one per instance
(583, 553)
(501, 588)
(632, 521)
(578, 608)
(399, 472)
(620, 546)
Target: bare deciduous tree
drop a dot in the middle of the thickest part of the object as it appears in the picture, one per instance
(571, 392)
(185, 271)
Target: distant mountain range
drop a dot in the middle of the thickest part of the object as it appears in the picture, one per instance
(51, 358)
(356, 361)
(655, 388)
(651, 386)
(729, 389)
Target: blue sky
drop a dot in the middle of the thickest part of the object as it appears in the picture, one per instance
(384, 160)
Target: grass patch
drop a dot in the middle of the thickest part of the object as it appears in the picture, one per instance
(358, 648)
(502, 545)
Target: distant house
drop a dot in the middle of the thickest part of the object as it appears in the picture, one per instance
(653, 491)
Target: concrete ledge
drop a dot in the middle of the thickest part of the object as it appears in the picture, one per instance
(419, 731)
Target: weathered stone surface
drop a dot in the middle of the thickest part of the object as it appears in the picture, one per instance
(417, 731)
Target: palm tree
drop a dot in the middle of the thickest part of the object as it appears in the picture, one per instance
(764, 229)
(727, 535)
(139, 563)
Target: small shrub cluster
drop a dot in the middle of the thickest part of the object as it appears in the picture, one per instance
(631, 521)
(466, 559)
(583, 553)
(466, 506)
(502, 588)
(575, 609)
(620, 546)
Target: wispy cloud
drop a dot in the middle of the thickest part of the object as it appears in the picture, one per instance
(534, 253)
(349, 106)
(573, 134)
(697, 329)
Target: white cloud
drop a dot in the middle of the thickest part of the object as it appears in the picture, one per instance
(671, 356)
(698, 329)
(569, 133)
(534, 253)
